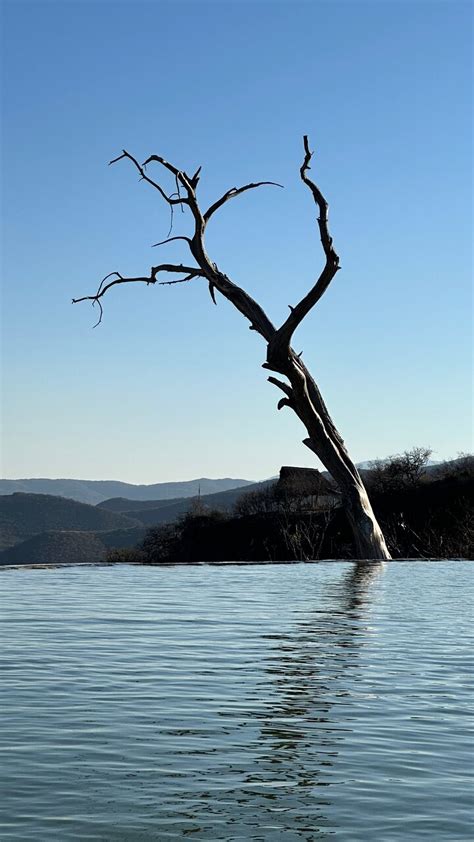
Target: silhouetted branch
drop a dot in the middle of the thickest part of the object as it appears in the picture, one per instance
(191, 271)
(141, 170)
(195, 178)
(170, 240)
(280, 344)
(323, 222)
(212, 292)
(232, 193)
(109, 276)
(281, 385)
(194, 274)
(285, 402)
(178, 174)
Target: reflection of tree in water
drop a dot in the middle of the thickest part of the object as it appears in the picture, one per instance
(280, 788)
(310, 670)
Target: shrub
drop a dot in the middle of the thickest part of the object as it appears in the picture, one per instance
(125, 555)
(404, 470)
(257, 502)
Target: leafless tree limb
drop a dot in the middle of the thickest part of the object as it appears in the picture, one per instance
(178, 174)
(141, 170)
(281, 385)
(194, 180)
(194, 274)
(190, 271)
(108, 276)
(212, 292)
(281, 342)
(170, 240)
(232, 193)
(285, 402)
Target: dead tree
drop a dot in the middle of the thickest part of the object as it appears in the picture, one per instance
(301, 393)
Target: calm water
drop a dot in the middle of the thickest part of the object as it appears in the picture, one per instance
(276, 702)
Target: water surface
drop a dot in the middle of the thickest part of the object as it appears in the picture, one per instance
(275, 702)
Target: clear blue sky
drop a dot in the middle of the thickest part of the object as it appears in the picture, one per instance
(170, 387)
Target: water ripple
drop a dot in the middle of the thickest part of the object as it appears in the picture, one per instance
(286, 702)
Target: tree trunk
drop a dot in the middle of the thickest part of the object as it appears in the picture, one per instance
(304, 398)
(368, 537)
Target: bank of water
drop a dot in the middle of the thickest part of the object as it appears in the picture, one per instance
(273, 702)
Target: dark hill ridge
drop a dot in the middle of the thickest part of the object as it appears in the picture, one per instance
(25, 515)
(60, 547)
(94, 491)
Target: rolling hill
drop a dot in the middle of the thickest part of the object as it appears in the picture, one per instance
(25, 515)
(94, 491)
(55, 530)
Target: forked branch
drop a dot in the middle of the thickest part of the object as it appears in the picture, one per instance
(279, 341)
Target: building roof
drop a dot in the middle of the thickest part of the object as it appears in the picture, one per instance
(304, 481)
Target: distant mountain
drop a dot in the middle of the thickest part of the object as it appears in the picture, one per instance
(151, 514)
(95, 491)
(25, 515)
(56, 548)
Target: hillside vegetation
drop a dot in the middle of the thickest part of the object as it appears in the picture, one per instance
(423, 513)
(57, 548)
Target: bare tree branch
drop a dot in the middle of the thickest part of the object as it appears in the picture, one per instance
(323, 222)
(285, 402)
(191, 271)
(232, 193)
(212, 292)
(109, 276)
(281, 385)
(170, 240)
(189, 183)
(281, 342)
(194, 180)
(174, 267)
(194, 274)
(102, 290)
(289, 400)
(141, 170)
(179, 174)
